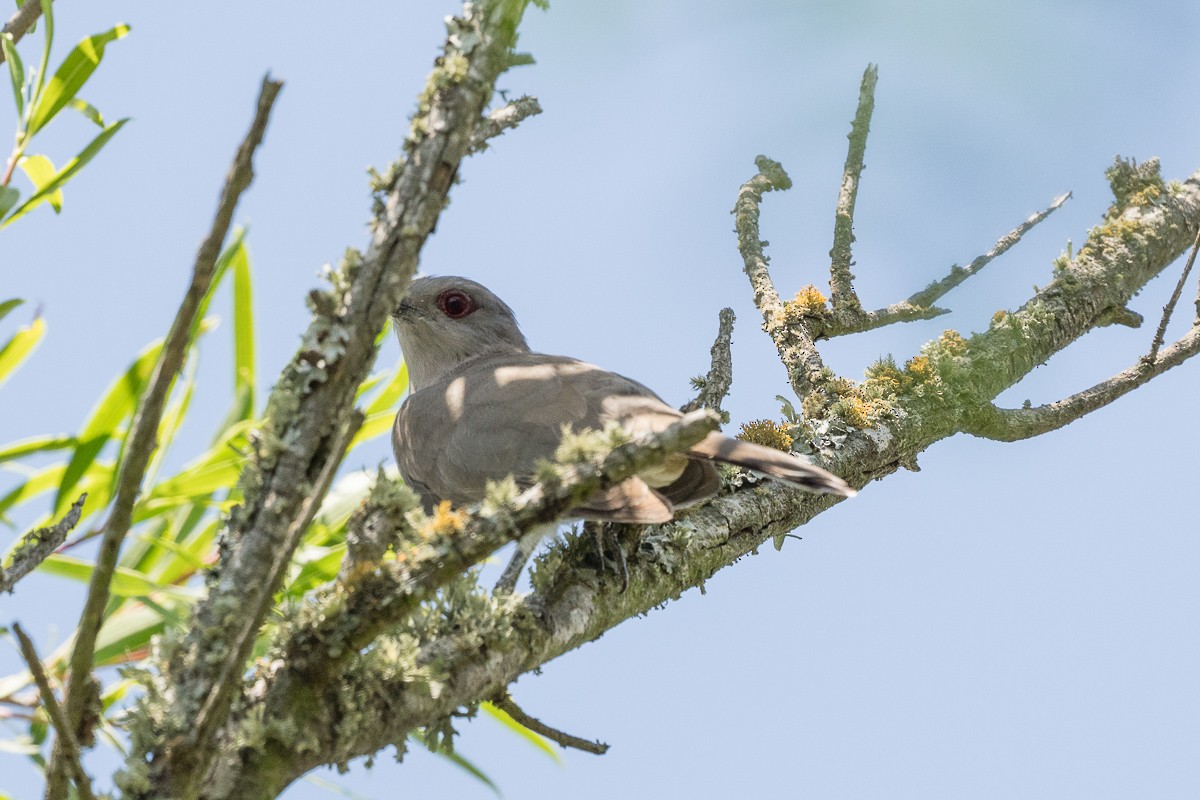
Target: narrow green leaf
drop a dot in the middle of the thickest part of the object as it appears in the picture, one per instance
(318, 566)
(71, 75)
(125, 582)
(20, 746)
(243, 327)
(35, 444)
(463, 764)
(68, 171)
(199, 548)
(116, 405)
(87, 109)
(216, 469)
(173, 417)
(128, 633)
(8, 198)
(44, 66)
(386, 399)
(16, 70)
(40, 171)
(373, 426)
(535, 739)
(18, 348)
(36, 484)
(8, 306)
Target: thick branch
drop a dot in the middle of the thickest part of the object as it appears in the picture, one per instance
(716, 383)
(1118, 258)
(1014, 424)
(37, 546)
(372, 601)
(21, 21)
(841, 282)
(315, 394)
(572, 606)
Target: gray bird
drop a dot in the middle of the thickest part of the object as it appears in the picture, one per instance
(482, 406)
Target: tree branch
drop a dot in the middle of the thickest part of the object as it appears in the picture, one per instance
(1015, 424)
(503, 119)
(841, 282)
(315, 394)
(799, 355)
(21, 21)
(375, 599)
(142, 439)
(70, 747)
(938, 289)
(506, 704)
(1169, 308)
(37, 546)
(715, 385)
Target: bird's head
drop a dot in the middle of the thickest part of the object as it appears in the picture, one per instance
(444, 321)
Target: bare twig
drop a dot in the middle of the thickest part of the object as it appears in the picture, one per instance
(501, 120)
(142, 438)
(36, 547)
(841, 285)
(22, 21)
(720, 373)
(505, 703)
(70, 747)
(792, 339)
(1169, 308)
(1015, 424)
(936, 290)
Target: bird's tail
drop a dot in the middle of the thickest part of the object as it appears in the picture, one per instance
(774, 463)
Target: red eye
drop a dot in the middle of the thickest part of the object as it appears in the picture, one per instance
(455, 303)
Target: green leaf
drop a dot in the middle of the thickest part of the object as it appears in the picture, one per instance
(125, 583)
(386, 399)
(243, 326)
(8, 198)
(87, 109)
(381, 413)
(20, 746)
(216, 469)
(68, 171)
(18, 348)
(15, 69)
(36, 444)
(71, 75)
(40, 482)
(40, 171)
(461, 763)
(44, 66)
(535, 739)
(118, 404)
(7, 307)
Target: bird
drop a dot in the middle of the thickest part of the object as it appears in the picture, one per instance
(483, 406)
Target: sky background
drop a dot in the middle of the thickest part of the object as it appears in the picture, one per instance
(1016, 620)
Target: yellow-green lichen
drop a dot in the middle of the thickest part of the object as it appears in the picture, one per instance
(766, 433)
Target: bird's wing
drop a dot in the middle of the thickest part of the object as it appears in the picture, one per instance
(500, 416)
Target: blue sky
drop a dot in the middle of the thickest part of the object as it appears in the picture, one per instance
(1013, 621)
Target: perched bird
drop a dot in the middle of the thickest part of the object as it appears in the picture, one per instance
(482, 407)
